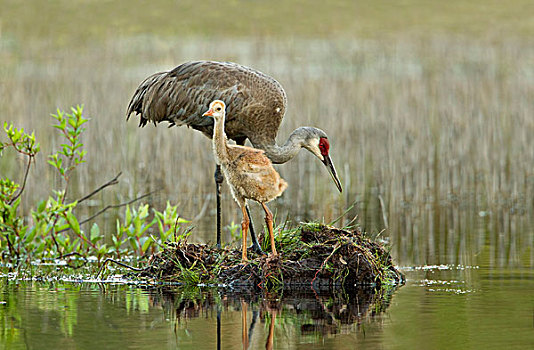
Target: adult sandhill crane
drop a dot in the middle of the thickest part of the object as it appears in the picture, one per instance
(248, 172)
(255, 106)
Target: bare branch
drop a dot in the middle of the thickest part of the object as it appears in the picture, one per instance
(113, 181)
(24, 181)
(107, 208)
(118, 263)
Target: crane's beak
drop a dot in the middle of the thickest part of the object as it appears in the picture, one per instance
(209, 113)
(332, 170)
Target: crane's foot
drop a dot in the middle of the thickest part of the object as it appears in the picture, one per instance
(256, 249)
(255, 246)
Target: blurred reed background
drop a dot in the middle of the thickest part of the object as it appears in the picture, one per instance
(429, 108)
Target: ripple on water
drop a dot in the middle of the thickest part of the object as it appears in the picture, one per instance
(441, 267)
(448, 278)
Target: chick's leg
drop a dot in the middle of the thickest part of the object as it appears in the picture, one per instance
(244, 230)
(269, 222)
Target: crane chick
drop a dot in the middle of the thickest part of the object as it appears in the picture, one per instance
(248, 171)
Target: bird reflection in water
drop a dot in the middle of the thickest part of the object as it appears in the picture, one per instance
(310, 313)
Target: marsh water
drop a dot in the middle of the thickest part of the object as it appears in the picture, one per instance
(440, 307)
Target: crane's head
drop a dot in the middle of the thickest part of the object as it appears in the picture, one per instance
(216, 110)
(316, 141)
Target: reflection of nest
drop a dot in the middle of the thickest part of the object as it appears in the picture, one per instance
(311, 254)
(324, 313)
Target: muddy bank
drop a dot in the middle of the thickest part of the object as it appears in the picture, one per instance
(311, 254)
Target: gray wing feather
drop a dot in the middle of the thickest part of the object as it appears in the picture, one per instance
(255, 102)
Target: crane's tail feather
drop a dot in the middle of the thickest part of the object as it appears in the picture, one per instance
(136, 103)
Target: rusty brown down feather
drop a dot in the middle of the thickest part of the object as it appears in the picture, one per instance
(248, 171)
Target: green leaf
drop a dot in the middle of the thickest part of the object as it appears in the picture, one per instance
(133, 243)
(61, 226)
(143, 211)
(146, 242)
(60, 239)
(128, 216)
(73, 222)
(95, 233)
(102, 249)
(40, 248)
(41, 206)
(14, 207)
(31, 234)
(73, 122)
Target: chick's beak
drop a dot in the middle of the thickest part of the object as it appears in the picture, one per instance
(209, 113)
(332, 170)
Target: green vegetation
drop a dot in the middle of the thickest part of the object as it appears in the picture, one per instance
(54, 230)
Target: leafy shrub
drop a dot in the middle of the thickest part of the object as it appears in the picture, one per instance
(54, 230)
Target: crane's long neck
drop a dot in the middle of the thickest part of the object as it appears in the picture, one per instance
(284, 153)
(220, 142)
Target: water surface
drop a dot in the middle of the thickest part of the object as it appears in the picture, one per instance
(440, 307)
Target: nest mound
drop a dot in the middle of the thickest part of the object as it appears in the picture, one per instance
(314, 254)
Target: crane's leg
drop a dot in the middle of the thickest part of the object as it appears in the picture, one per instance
(219, 178)
(255, 245)
(269, 222)
(218, 328)
(218, 181)
(244, 230)
(252, 324)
